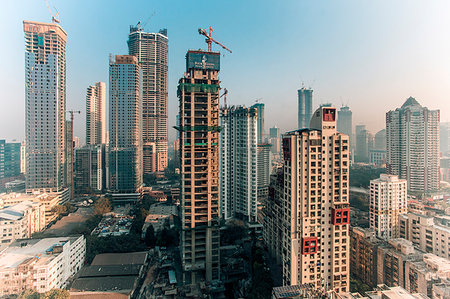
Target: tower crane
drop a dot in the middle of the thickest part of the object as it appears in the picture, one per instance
(225, 92)
(71, 114)
(209, 40)
(54, 17)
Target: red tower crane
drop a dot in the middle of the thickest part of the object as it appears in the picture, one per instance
(209, 40)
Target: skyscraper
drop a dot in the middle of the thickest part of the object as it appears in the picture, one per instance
(304, 107)
(91, 168)
(238, 163)
(45, 103)
(363, 138)
(388, 200)
(345, 122)
(198, 92)
(315, 205)
(96, 114)
(444, 137)
(412, 135)
(125, 112)
(275, 140)
(260, 111)
(151, 50)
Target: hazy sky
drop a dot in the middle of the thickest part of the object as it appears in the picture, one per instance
(371, 55)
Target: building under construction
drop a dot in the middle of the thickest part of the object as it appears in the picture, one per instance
(198, 92)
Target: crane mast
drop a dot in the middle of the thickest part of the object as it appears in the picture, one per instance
(209, 39)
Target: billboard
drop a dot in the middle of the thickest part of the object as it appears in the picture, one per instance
(202, 60)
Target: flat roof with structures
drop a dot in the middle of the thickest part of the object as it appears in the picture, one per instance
(129, 258)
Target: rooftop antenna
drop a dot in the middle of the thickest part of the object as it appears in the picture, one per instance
(54, 17)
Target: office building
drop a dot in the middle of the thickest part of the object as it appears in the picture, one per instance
(96, 114)
(238, 163)
(304, 107)
(40, 264)
(9, 159)
(275, 140)
(388, 200)
(429, 233)
(261, 131)
(345, 123)
(315, 206)
(151, 50)
(198, 92)
(412, 142)
(91, 169)
(20, 221)
(125, 112)
(45, 103)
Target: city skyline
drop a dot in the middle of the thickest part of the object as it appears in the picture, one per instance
(377, 77)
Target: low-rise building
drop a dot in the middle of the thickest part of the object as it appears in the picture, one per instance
(40, 264)
(396, 292)
(430, 234)
(157, 216)
(21, 220)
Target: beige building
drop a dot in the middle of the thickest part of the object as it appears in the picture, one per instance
(40, 264)
(388, 200)
(198, 91)
(21, 220)
(96, 114)
(48, 200)
(426, 233)
(315, 208)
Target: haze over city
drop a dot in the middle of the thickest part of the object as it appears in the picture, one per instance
(369, 55)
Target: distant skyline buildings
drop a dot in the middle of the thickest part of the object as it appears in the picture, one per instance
(45, 102)
(125, 124)
(412, 135)
(345, 123)
(305, 106)
(151, 50)
(96, 121)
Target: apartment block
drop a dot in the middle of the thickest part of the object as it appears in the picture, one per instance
(388, 200)
(198, 91)
(151, 50)
(315, 208)
(261, 133)
(238, 163)
(40, 264)
(427, 233)
(91, 169)
(21, 220)
(412, 142)
(125, 125)
(45, 106)
(96, 114)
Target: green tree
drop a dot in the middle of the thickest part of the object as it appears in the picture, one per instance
(102, 206)
(59, 209)
(150, 238)
(69, 207)
(56, 294)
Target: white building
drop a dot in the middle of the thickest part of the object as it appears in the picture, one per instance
(96, 114)
(412, 135)
(21, 220)
(40, 264)
(315, 206)
(388, 200)
(426, 233)
(238, 163)
(45, 106)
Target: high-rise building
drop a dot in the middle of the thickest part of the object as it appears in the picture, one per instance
(380, 140)
(444, 138)
(345, 123)
(263, 170)
(363, 140)
(316, 210)
(45, 101)
(275, 140)
(412, 142)
(198, 92)
(125, 112)
(91, 168)
(151, 50)
(69, 157)
(304, 107)
(9, 159)
(261, 132)
(388, 200)
(96, 114)
(238, 163)
(377, 154)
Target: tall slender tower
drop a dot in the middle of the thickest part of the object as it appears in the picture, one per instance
(125, 125)
(345, 122)
(315, 205)
(198, 92)
(151, 50)
(260, 111)
(45, 102)
(96, 114)
(304, 107)
(412, 145)
(238, 163)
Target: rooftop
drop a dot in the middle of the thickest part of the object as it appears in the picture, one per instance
(129, 258)
(15, 212)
